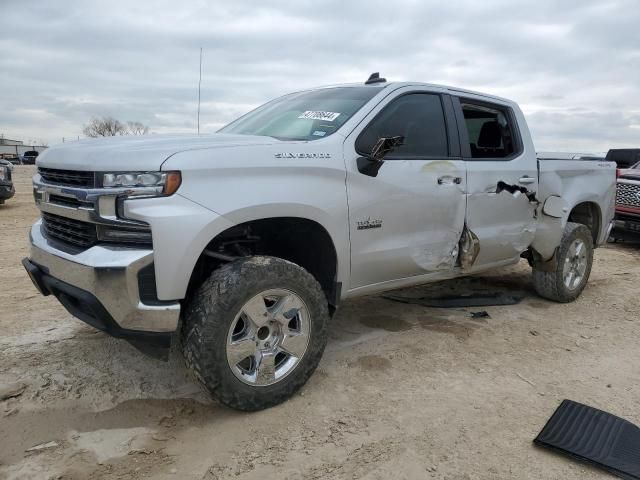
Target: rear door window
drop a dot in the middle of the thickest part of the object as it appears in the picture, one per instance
(489, 129)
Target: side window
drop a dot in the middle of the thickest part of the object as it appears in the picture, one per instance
(419, 118)
(490, 131)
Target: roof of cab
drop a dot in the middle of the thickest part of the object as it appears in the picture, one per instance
(396, 85)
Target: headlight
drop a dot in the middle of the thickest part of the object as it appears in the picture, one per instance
(3, 172)
(166, 183)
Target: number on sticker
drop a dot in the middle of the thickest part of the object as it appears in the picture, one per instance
(319, 115)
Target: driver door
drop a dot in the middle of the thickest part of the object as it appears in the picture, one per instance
(406, 220)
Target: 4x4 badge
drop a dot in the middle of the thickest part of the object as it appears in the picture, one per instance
(368, 224)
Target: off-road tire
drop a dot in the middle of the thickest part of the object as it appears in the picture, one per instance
(212, 310)
(550, 284)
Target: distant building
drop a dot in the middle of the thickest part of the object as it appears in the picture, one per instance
(17, 147)
(8, 141)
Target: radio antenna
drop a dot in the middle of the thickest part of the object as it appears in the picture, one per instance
(199, 83)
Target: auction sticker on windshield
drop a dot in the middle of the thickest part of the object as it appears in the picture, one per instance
(319, 115)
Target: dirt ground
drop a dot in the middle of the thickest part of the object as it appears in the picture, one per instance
(402, 392)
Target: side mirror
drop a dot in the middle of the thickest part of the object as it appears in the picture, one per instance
(385, 145)
(371, 164)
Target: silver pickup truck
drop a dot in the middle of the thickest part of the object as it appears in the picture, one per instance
(243, 243)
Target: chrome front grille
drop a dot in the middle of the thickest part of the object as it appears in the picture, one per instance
(68, 201)
(68, 178)
(628, 194)
(77, 214)
(76, 232)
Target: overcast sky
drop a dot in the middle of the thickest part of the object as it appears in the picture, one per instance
(573, 65)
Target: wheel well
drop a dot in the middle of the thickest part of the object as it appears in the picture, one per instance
(299, 240)
(587, 213)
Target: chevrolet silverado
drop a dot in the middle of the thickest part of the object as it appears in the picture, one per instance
(243, 243)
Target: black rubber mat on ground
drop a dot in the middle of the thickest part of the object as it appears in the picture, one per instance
(461, 301)
(595, 437)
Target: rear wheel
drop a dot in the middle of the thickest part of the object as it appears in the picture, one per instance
(572, 269)
(255, 331)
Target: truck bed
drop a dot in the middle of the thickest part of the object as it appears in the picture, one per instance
(578, 181)
(570, 156)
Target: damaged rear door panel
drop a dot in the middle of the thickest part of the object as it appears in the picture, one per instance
(502, 180)
(485, 202)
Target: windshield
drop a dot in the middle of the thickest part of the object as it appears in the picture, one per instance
(304, 116)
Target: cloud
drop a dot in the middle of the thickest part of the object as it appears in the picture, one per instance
(574, 66)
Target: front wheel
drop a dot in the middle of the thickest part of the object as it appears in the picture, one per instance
(573, 266)
(255, 331)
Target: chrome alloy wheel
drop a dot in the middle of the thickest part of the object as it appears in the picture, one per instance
(575, 264)
(268, 337)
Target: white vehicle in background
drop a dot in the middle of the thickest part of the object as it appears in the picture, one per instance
(245, 242)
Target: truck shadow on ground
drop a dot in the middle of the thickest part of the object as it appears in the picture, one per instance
(630, 244)
(364, 316)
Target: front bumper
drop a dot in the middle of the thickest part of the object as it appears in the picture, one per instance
(626, 231)
(101, 287)
(626, 222)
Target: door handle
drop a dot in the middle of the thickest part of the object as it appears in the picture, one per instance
(526, 179)
(449, 180)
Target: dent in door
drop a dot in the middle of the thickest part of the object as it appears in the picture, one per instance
(439, 166)
(512, 236)
(443, 254)
(469, 248)
(439, 256)
(404, 223)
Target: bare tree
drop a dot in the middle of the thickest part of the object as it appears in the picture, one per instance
(136, 128)
(103, 127)
(110, 127)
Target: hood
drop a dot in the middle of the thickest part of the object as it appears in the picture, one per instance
(131, 153)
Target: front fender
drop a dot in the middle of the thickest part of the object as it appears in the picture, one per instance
(335, 228)
(255, 184)
(181, 229)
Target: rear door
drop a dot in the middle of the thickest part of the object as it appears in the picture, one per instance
(501, 170)
(406, 220)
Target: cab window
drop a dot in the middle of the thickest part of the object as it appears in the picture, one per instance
(491, 134)
(419, 118)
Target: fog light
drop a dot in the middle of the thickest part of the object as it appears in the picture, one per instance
(124, 234)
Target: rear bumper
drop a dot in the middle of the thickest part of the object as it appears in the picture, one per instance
(100, 286)
(627, 220)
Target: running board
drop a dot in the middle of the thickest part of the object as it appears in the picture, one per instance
(594, 437)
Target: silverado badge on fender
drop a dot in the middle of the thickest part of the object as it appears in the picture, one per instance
(303, 155)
